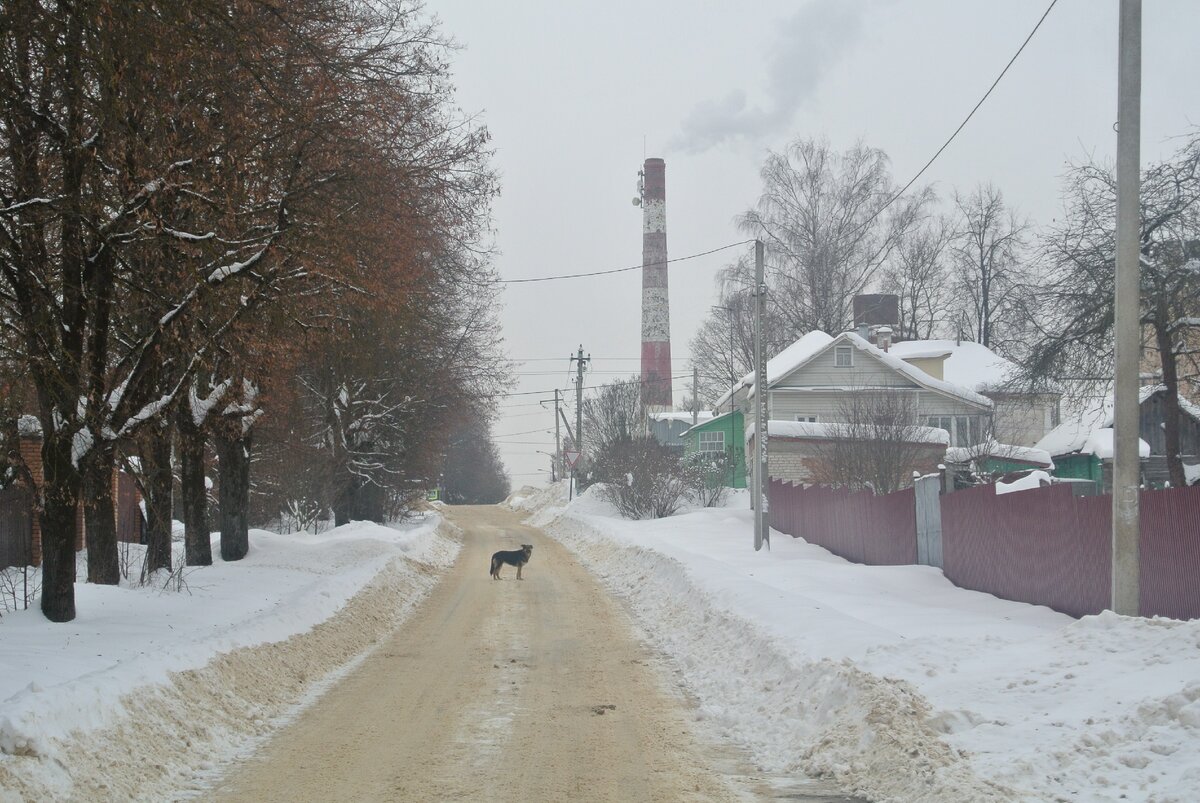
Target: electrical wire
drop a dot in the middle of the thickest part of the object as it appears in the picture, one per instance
(620, 270)
(961, 125)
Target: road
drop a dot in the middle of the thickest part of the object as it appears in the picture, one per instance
(503, 691)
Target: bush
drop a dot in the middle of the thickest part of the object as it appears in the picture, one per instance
(642, 478)
(704, 475)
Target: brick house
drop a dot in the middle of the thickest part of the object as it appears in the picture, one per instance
(20, 526)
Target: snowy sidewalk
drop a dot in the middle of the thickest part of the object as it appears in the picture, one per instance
(174, 683)
(892, 680)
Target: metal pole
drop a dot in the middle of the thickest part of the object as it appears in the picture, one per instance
(1127, 329)
(557, 441)
(732, 393)
(761, 482)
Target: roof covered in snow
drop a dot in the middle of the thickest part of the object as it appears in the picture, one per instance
(971, 365)
(681, 416)
(1072, 436)
(784, 362)
(1000, 451)
(808, 429)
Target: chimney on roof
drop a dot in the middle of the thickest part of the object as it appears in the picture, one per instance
(877, 309)
(883, 337)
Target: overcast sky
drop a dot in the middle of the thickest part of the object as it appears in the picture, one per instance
(575, 96)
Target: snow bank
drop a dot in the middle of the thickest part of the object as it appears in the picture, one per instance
(148, 691)
(893, 681)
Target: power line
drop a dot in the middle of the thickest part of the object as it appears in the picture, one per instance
(620, 270)
(963, 124)
(586, 387)
(527, 432)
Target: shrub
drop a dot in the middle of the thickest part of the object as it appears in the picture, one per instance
(642, 478)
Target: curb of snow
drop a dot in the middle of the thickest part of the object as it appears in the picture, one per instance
(174, 739)
(871, 735)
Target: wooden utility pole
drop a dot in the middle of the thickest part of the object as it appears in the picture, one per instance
(1127, 327)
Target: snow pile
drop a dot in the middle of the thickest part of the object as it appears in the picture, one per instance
(1034, 479)
(194, 678)
(893, 681)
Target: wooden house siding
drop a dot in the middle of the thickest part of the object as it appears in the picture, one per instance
(1153, 433)
(821, 371)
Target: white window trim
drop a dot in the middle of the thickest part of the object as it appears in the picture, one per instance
(806, 419)
(838, 350)
(715, 437)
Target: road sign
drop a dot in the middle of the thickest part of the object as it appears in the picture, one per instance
(571, 457)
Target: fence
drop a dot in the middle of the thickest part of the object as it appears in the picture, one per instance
(1044, 546)
(859, 526)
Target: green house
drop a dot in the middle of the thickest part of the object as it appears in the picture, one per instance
(722, 434)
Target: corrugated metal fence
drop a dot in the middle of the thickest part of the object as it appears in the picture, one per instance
(1044, 546)
(858, 525)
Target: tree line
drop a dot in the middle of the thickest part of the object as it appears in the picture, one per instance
(967, 267)
(257, 230)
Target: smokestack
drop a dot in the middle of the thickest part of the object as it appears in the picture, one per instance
(656, 313)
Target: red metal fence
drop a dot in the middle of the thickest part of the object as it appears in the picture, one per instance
(859, 526)
(1044, 546)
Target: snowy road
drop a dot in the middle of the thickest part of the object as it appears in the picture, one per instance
(532, 691)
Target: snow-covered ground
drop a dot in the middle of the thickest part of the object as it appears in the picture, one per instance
(890, 679)
(148, 691)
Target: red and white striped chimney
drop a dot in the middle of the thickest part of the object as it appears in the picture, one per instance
(656, 312)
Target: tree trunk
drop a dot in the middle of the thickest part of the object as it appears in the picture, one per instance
(193, 495)
(233, 455)
(99, 509)
(60, 500)
(155, 448)
(1170, 376)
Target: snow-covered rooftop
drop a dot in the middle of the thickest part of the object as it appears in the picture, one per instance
(1073, 435)
(808, 429)
(890, 359)
(784, 362)
(1003, 451)
(971, 365)
(681, 416)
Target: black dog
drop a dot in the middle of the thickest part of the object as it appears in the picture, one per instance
(516, 557)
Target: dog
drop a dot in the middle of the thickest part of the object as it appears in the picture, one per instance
(515, 557)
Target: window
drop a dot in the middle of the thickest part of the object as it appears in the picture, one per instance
(808, 419)
(711, 441)
(843, 356)
(963, 429)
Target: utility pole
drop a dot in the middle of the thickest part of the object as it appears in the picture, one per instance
(762, 534)
(581, 363)
(1127, 329)
(695, 394)
(556, 464)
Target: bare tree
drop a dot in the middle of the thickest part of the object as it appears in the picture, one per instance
(616, 413)
(876, 444)
(831, 222)
(919, 276)
(1075, 330)
(987, 251)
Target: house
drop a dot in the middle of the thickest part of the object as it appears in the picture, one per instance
(1019, 418)
(20, 527)
(1082, 446)
(830, 380)
(722, 434)
(804, 452)
(668, 427)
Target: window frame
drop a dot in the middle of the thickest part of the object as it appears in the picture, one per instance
(703, 444)
(838, 351)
